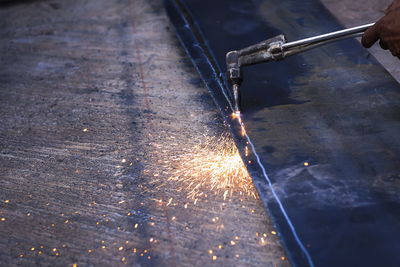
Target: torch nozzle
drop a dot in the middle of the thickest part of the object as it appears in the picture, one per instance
(236, 97)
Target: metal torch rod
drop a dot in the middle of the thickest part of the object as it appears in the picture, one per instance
(311, 42)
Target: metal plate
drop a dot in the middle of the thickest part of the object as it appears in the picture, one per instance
(322, 127)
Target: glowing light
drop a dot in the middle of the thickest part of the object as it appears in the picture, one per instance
(136, 226)
(273, 232)
(236, 115)
(2, 219)
(306, 164)
(85, 129)
(6, 201)
(120, 248)
(214, 258)
(123, 160)
(210, 251)
(283, 258)
(214, 165)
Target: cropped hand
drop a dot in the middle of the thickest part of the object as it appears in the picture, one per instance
(386, 30)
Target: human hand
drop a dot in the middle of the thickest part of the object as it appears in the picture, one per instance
(387, 30)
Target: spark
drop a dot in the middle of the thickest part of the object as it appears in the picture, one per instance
(214, 165)
(169, 201)
(236, 115)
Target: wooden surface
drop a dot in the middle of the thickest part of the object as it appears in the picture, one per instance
(96, 99)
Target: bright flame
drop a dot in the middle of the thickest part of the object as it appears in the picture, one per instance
(214, 166)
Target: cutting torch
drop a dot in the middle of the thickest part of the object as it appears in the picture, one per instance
(275, 49)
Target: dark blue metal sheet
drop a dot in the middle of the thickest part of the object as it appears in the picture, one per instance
(334, 108)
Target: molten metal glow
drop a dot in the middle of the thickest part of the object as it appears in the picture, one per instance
(215, 166)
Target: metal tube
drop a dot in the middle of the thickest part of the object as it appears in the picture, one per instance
(332, 36)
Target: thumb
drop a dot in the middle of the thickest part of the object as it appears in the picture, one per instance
(371, 35)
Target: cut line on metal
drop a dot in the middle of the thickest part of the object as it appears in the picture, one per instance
(218, 75)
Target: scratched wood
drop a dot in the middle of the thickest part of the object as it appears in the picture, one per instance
(96, 98)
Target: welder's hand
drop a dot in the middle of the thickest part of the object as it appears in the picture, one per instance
(387, 30)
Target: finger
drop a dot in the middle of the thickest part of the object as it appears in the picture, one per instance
(371, 35)
(384, 45)
(394, 48)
